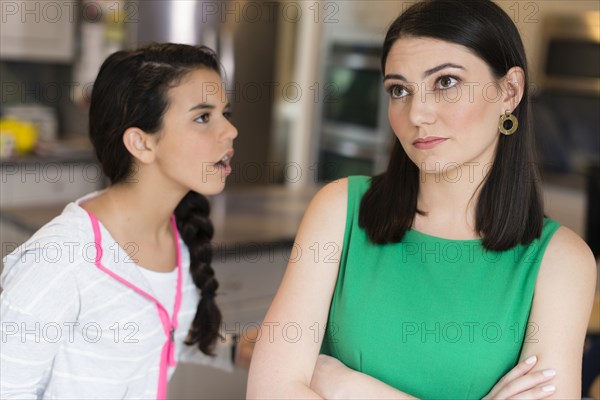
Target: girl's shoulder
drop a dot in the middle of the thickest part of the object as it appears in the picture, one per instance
(72, 223)
(58, 246)
(41, 275)
(71, 228)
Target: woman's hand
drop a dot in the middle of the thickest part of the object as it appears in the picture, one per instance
(519, 383)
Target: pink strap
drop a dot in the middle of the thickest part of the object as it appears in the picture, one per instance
(167, 357)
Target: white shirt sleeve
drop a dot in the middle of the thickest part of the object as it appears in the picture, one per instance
(38, 303)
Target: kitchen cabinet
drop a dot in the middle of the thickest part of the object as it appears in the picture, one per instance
(38, 31)
(37, 181)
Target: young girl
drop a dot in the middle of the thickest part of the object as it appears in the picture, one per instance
(102, 301)
(449, 282)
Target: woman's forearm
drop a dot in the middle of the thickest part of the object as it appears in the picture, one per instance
(296, 390)
(361, 386)
(333, 380)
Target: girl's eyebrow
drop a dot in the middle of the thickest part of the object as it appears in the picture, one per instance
(202, 106)
(427, 73)
(207, 106)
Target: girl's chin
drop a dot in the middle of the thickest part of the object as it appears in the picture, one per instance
(209, 188)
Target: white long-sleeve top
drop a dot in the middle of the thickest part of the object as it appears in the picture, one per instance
(71, 331)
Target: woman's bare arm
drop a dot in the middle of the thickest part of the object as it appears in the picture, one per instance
(333, 380)
(562, 303)
(286, 352)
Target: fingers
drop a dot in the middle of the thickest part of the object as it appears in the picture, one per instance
(521, 382)
(539, 392)
(531, 386)
(520, 369)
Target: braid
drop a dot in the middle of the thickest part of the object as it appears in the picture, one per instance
(196, 231)
(132, 90)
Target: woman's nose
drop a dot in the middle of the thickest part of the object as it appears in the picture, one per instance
(423, 105)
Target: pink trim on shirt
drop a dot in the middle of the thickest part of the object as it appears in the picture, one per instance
(167, 355)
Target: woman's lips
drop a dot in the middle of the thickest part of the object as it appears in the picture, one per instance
(428, 142)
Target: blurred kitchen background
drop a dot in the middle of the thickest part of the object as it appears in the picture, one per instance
(305, 85)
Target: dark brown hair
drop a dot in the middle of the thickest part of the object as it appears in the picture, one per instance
(509, 209)
(131, 91)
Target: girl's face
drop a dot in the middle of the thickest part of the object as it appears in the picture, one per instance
(444, 104)
(195, 145)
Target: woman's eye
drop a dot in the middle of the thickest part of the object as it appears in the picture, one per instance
(446, 82)
(203, 119)
(397, 91)
(227, 115)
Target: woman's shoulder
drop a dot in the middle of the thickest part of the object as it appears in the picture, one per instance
(333, 192)
(568, 260)
(338, 191)
(326, 213)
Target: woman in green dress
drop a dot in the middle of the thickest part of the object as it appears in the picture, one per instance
(442, 279)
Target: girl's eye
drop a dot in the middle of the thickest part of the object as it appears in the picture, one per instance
(203, 119)
(446, 82)
(397, 91)
(227, 115)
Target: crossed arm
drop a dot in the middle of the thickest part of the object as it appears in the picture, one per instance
(283, 368)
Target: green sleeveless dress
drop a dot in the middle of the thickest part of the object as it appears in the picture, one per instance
(432, 317)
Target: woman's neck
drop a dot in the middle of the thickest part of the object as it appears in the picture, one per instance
(449, 200)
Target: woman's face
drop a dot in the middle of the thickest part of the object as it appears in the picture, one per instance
(444, 104)
(196, 141)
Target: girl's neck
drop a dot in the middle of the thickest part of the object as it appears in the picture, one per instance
(132, 210)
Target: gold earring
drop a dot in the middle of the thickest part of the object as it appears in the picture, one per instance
(508, 123)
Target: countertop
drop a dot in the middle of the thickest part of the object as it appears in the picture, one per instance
(244, 218)
(66, 151)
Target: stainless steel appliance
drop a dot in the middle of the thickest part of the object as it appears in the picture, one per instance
(354, 131)
(244, 34)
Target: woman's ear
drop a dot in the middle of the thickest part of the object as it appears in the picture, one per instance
(513, 88)
(140, 144)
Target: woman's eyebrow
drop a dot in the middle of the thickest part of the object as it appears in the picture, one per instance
(394, 76)
(426, 73)
(441, 67)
